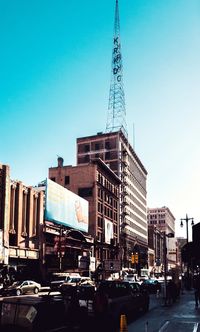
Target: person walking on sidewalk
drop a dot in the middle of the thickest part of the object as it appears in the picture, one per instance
(196, 286)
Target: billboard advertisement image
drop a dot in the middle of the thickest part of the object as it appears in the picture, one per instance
(108, 231)
(64, 207)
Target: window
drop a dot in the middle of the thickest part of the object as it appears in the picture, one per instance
(97, 146)
(67, 180)
(100, 222)
(87, 148)
(86, 159)
(107, 155)
(107, 145)
(85, 192)
(53, 179)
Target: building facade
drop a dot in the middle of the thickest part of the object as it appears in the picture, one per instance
(115, 150)
(97, 183)
(4, 213)
(156, 250)
(20, 225)
(162, 220)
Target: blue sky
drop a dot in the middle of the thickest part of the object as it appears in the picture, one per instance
(55, 68)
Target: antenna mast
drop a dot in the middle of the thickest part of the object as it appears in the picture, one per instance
(116, 117)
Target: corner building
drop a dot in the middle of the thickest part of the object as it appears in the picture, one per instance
(115, 150)
(99, 185)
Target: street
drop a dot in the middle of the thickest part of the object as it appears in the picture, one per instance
(179, 317)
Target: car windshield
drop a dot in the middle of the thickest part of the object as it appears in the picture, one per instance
(74, 280)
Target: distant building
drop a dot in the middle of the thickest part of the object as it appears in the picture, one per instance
(155, 241)
(162, 219)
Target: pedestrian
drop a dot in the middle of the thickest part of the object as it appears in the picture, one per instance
(196, 286)
(171, 292)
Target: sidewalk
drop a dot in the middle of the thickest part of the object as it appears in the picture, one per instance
(180, 316)
(186, 298)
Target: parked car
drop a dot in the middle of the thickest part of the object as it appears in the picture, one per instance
(151, 285)
(59, 278)
(122, 298)
(21, 287)
(75, 281)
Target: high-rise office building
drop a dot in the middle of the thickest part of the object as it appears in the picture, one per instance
(115, 150)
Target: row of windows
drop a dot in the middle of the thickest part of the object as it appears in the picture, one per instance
(138, 174)
(142, 215)
(108, 212)
(137, 203)
(107, 198)
(95, 146)
(153, 222)
(157, 211)
(156, 216)
(107, 184)
(139, 187)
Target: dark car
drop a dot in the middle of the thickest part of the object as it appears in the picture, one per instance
(123, 298)
(21, 287)
(151, 285)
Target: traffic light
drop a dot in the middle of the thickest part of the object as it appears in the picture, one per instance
(136, 258)
(132, 258)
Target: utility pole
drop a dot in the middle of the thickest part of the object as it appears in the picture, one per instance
(186, 219)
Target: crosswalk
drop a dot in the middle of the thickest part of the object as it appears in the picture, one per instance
(180, 326)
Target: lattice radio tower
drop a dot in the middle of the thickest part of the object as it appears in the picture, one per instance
(116, 116)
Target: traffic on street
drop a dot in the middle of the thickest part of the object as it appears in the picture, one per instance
(83, 305)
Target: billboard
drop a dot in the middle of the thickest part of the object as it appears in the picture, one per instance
(64, 207)
(108, 231)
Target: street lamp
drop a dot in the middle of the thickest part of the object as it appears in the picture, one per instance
(169, 235)
(186, 219)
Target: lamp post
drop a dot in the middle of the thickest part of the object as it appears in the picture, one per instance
(186, 219)
(169, 235)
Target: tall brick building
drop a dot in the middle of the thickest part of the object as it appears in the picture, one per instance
(115, 150)
(97, 183)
